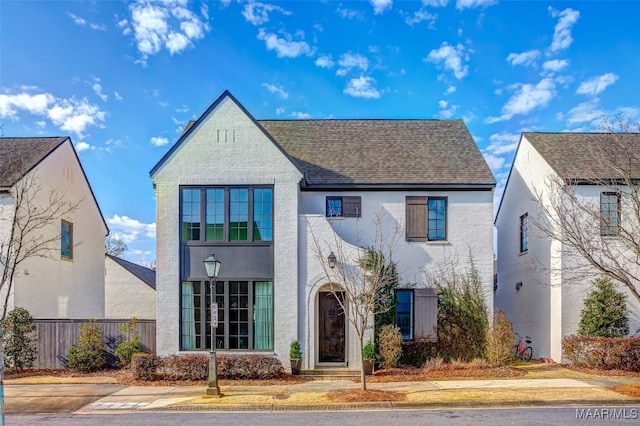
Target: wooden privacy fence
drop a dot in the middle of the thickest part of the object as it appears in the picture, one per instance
(55, 337)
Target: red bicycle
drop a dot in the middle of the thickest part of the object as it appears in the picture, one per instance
(521, 351)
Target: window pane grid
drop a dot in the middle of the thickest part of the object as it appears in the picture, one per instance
(190, 214)
(262, 214)
(238, 315)
(437, 208)
(609, 213)
(334, 206)
(238, 214)
(404, 313)
(215, 214)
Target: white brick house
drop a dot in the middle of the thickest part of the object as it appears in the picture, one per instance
(69, 282)
(129, 290)
(250, 191)
(537, 285)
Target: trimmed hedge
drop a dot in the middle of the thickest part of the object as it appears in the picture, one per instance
(603, 353)
(416, 353)
(196, 367)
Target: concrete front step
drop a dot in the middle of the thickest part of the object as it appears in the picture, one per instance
(330, 373)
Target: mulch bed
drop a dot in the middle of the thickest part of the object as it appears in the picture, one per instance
(369, 395)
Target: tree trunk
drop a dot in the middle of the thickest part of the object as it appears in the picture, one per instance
(363, 375)
(1, 375)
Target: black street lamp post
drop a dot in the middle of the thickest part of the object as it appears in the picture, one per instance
(212, 267)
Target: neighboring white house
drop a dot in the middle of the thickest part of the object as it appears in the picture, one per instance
(537, 285)
(251, 192)
(69, 283)
(129, 290)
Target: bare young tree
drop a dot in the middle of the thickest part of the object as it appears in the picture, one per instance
(361, 274)
(601, 233)
(27, 210)
(114, 245)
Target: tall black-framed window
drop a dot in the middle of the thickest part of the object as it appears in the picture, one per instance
(245, 315)
(404, 313)
(524, 233)
(226, 214)
(66, 240)
(609, 214)
(437, 217)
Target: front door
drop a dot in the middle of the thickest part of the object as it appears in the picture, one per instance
(331, 327)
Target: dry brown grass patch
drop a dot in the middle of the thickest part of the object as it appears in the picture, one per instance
(369, 395)
(632, 390)
(470, 371)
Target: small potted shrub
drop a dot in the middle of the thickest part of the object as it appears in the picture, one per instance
(295, 356)
(369, 355)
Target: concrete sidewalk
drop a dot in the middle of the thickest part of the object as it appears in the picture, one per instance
(424, 394)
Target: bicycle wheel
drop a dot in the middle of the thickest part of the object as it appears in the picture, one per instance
(528, 352)
(515, 352)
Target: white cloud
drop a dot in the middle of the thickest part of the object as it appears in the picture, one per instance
(502, 143)
(447, 110)
(98, 89)
(41, 124)
(258, 13)
(362, 87)
(131, 229)
(494, 162)
(470, 4)
(452, 58)
(70, 115)
(117, 96)
(527, 58)
(597, 84)
(324, 61)
(82, 146)
(381, 6)
(164, 25)
(99, 27)
(277, 90)
(586, 112)
(421, 15)
(349, 61)
(77, 19)
(284, 47)
(183, 109)
(280, 111)
(555, 65)
(159, 140)
(562, 38)
(350, 14)
(450, 90)
(301, 115)
(527, 98)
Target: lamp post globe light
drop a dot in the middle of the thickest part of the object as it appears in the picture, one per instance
(212, 267)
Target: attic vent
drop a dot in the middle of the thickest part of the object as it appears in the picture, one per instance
(224, 136)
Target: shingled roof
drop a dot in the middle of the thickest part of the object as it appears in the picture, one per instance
(146, 275)
(575, 155)
(382, 152)
(18, 156)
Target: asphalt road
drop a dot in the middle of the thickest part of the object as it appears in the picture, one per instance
(497, 417)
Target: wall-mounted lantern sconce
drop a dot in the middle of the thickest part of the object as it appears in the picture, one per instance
(518, 285)
(332, 260)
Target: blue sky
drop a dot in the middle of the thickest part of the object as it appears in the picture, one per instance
(123, 78)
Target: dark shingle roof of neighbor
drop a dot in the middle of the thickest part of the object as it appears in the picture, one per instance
(148, 276)
(19, 155)
(575, 155)
(379, 152)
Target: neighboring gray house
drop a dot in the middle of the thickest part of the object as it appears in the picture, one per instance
(129, 290)
(537, 284)
(69, 283)
(252, 191)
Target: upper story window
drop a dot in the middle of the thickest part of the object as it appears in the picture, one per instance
(66, 239)
(609, 213)
(343, 206)
(227, 214)
(524, 232)
(426, 218)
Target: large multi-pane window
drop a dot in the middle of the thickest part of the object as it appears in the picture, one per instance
(245, 315)
(609, 213)
(227, 214)
(437, 217)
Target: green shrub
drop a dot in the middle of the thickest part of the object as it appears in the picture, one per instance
(89, 353)
(20, 349)
(369, 351)
(390, 343)
(500, 340)
(605, 311)
(463, 321)
(603, 353)
(295, 351)
(129, 343)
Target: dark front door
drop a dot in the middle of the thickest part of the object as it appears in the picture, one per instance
(332, 327)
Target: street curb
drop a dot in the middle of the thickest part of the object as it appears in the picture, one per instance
(396, 405)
